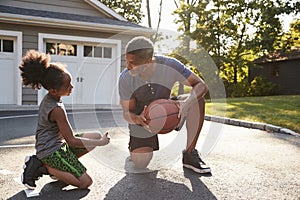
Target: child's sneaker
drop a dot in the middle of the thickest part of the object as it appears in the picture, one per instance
(33, 169)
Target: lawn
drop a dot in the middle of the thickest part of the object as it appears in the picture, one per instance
(283, 111)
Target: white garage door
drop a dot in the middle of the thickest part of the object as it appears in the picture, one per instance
(7, 70)
(94, 67)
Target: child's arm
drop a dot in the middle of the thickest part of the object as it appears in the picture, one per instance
(59, 116)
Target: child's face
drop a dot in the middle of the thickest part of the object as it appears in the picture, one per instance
(66, 88)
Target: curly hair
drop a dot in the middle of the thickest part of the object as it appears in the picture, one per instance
(37, 71)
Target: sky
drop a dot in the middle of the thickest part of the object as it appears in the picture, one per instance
(167, 19)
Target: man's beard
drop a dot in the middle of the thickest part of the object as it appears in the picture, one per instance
(136, 72)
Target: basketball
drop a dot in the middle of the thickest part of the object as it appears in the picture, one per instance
(162, 116)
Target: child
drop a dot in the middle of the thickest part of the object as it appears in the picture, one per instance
(56, 146)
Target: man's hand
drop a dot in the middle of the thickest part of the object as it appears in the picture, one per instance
(183, 108)
(141, 119)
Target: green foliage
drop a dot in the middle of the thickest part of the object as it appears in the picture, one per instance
(238, 89)
(233, 32)
(260, 86)
(129, 9)
(292, 38)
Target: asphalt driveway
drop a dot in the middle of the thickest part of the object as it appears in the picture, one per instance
(246, 164)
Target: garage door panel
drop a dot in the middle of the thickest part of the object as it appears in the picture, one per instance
(105, 85)
(98, 81)
(8, 82)
(94, 75)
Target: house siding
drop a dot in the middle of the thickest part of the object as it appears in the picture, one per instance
(75, 18)
(30, 34)
(65, 6)
(30, 41)
(283, 73)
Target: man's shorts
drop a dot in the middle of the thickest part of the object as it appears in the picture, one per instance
(140, 137)
(65, 159)
(137, 142)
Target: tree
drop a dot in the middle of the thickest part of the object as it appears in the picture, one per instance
(292, 38)
(233, 32)
(129, 9)
(156, 36)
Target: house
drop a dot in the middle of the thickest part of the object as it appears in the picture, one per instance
(281, 68)
(85, 35)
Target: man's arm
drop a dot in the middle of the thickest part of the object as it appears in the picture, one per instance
(128, 114)
(199, 87)
(198, 92)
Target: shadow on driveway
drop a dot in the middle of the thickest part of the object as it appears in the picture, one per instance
(148, 186)
(54, 190)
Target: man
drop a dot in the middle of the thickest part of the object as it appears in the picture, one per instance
(147, 78)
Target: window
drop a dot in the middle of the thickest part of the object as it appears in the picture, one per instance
(51, 48)
(61, 49)
(88, 51)
(97, 51)
(107, 52)
(6, 45)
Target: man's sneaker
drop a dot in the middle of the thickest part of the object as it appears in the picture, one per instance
(31, 171)
(193, 161)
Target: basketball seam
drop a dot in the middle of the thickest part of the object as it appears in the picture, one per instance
(162, 103)
(163, 116)
(154, 106)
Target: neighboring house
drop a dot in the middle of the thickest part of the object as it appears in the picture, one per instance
(85, 35)
(282, 69)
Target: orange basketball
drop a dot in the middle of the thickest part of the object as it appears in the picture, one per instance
(162, 116)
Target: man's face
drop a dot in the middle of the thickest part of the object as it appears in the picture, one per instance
(135, 65)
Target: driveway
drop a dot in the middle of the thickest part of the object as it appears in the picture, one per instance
(246, 164)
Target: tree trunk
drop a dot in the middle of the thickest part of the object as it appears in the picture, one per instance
(148, 13)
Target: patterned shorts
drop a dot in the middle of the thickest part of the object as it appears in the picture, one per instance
(65, 159)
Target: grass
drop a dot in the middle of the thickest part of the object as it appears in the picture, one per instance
(283, 111)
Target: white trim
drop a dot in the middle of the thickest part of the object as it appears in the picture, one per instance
(101, 7)
(76, 38)
(59, 23)
(117, 60)
(17, 77)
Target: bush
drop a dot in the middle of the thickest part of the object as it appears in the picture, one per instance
(237, 89)
(260, 86)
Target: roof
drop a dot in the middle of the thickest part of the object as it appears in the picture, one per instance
(39, 17)
(279, 56)
(104, 9)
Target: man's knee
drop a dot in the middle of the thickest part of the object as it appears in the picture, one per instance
(200, 102)
(141, 159)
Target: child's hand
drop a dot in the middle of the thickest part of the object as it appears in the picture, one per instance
(105, 139)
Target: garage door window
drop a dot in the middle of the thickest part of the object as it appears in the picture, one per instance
(61, 49)
(107, 52)
(7, 46)
(97, 52)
